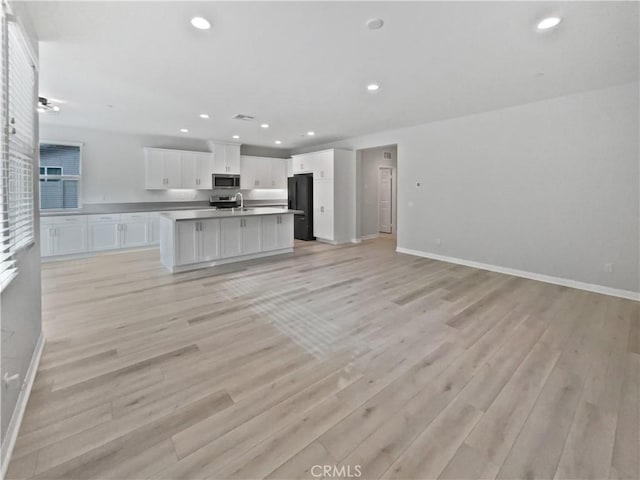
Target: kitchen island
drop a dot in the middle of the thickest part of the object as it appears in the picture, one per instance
(195, 239)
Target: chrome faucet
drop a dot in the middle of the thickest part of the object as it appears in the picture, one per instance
(241, 200)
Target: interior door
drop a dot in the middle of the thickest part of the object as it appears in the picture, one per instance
(384, 199)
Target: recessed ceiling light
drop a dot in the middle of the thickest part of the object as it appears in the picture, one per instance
(373, 87)
(200, 23)
(204, 115)
(375, 23)
(56, 108)
(548, 23)
(265, 125)
(277, 142)
(311, 134)
(236, 137)
(184, 130)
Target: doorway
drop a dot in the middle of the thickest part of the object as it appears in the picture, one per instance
(377, 193)
(385, 202)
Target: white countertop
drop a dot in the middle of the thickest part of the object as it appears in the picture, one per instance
(225, 213)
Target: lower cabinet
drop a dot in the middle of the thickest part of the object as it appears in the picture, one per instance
(154, 229)
(251, 235)
(104, 235)
(197, 241)
(63, 239)
(134, 230)
(240, 236)
(277, 232)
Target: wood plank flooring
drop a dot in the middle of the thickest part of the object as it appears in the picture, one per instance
(348, 356)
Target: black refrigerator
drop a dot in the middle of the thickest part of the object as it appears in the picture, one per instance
(301, 198)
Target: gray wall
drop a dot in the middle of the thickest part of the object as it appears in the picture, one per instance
(20, 310)
(372, 159)
(549, 187)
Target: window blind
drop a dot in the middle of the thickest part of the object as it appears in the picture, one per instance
(18, 148)
(7, 264)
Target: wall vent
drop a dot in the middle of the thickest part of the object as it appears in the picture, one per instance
(387, 155)
(240, 116)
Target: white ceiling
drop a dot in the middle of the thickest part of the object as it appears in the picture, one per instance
(305, 66)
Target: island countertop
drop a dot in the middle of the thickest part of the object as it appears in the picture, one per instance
(178, 216)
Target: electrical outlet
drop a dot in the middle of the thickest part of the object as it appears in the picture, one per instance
(608, 267)
(438, 241)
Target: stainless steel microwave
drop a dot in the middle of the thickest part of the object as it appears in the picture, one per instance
(222, 180)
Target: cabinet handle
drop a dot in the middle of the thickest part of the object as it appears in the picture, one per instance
(322, 209)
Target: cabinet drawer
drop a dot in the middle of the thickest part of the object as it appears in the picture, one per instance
(134, 216)
(69, 219)
(46, 220)
(107, 217)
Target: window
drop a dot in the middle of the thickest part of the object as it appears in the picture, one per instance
(60, 166)
(18, 147)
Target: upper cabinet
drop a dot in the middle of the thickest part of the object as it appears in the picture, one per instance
(166, 169)
(196, 170)
(163, 168)
(263, 172)
(226, 158)
(318, 163)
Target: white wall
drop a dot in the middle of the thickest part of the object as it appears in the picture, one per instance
(20, 311)
(113, 165)
(549, 187)
(372, 160)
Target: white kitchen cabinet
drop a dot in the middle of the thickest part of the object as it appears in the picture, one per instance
(163, 169)
(154, 228)
(240, 236)
(70, 239)
(255, 172)
(209, 247)
(277, 232)
(134, 233)
(226, 158)
(104, 235)
(196, 170)
(279, 173)
(197, 241)
(63, 235)
(113, 231)
(186, 242)
(231, 237)
(46, 240)
(263, 172)
(323, 208)
(251, 235)
(333, 184)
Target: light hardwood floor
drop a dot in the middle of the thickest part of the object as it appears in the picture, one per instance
(356, 355)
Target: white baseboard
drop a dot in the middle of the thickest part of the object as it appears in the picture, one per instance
(370, 237)
(590, 287)
(21, 405)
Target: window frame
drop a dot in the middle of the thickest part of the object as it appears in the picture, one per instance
(47, 177)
